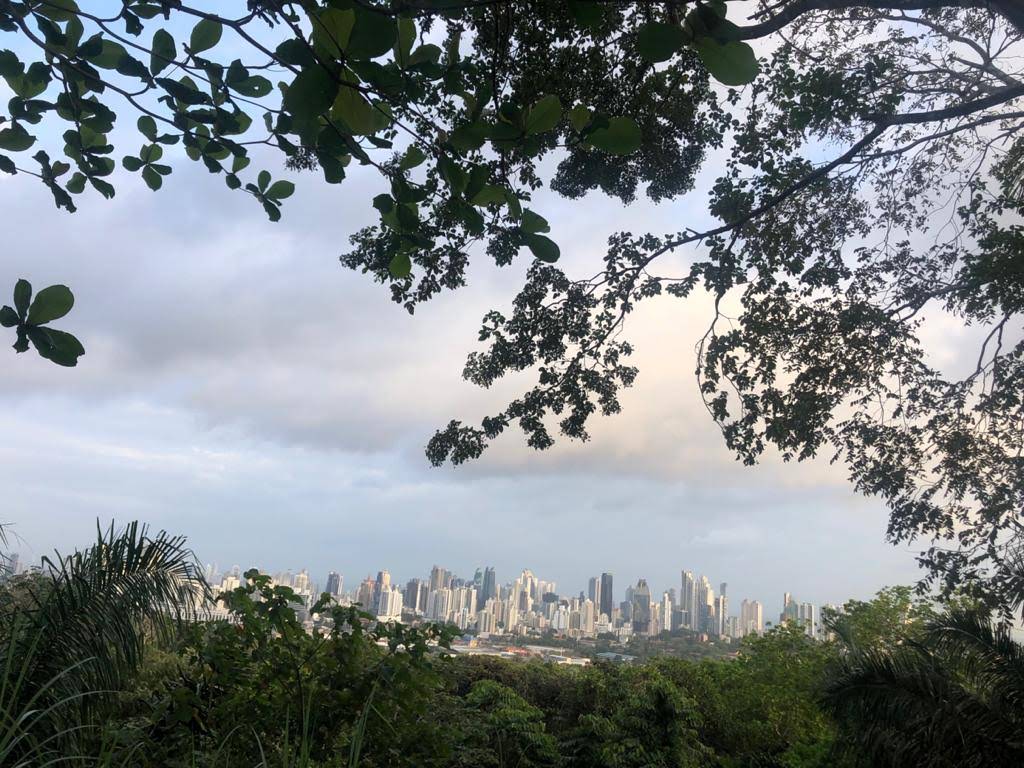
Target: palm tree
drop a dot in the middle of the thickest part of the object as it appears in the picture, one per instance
(950, 697)
(73, 634)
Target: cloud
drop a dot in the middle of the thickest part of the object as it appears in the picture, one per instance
(242, 387)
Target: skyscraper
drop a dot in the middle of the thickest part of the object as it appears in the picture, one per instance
(334, 582)
(807, 617)
(414, 598)
(705, 607)
(688, 601)
(607, 595)
(751, 618)
(365, 594)
(790, 609)
(383, 583)
(594, 591)
(722, 609)
(641, 608)
(390, 604)
(438, 577)
(489, 588)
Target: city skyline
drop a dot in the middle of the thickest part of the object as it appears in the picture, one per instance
(693, 594)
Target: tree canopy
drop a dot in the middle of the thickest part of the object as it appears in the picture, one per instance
(874, 178)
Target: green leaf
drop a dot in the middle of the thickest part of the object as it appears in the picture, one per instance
(8, 317)
(544, 248)
(489, 194)
(621, 137)
(151, 154)
(332, 31)
(152, 178)
(732, 63)
(355, 112)
(373, 35)
(311, 93)
(51, 303)
(147, 127)
(16, 138)
(425, 54)
(544, 115)
(469, 137)
(533, 222)
(453, 174)
(21, 345)
(406, 37)
(205, 35)
(400, 265)
(279, 190)
(56, 346)
(255, 87)
(413, 157)
(579, 116)
(131, 163)
(58, 10)
(163, 52)
(184, 91)
(657, 41)
(263, 180)
(384, 203)
(110, 55)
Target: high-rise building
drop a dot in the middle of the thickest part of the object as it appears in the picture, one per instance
(705, 607)
(389, 607)
(751, 618)
(594, 591)
(666, 612)
(688, 600)
(588, 618)
(641, 608)
(721, 615)
(334, 582)
(415, 598)
(489, 585)
(607, 604)
(366, 593)
(382, 583)
(807, 617)
(790, 609)
(438, 578)
(722, 610)
(439, 604)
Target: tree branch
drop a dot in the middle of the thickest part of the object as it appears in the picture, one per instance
(1006, 8)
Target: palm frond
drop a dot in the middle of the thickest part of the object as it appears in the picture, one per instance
(953, 698)
(80, 629)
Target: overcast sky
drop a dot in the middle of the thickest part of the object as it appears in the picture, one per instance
(242, 388)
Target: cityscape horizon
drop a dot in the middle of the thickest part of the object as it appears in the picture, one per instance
(484, 604)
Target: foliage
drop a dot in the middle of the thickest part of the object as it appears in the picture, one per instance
(954, 697)
(260, 687)
(354, 83)
(74, 633)
(508, 732)
(277, 684)
(29, 318)
(893, 616)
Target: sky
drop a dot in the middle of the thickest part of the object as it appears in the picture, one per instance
(242, 388)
